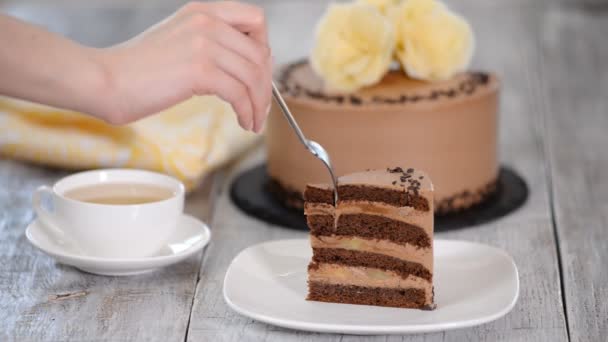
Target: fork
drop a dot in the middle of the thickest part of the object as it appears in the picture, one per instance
(312, 146)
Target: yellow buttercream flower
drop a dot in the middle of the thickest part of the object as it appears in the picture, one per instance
(384, 6)
(432, 42)
(354, 46)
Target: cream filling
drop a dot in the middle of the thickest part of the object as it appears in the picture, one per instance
(409, 215)
(368, 277)
(406, 252)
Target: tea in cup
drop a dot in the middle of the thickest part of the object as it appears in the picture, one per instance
(112, 213)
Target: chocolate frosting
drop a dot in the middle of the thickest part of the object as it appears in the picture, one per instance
(447, 128)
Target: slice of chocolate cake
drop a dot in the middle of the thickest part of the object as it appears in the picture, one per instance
(376, 246)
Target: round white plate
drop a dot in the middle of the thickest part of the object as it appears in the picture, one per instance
(474, 284)
(190, 237)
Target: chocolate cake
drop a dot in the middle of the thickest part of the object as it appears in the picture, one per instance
(447, 128)
(375, 247)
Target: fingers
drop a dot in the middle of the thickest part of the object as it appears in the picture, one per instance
(252, 64)
(246, 58)
(244, 17)
(252, 76)
(230, 90)
(244, 45)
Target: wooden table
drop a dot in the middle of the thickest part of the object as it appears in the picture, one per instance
(552, 57)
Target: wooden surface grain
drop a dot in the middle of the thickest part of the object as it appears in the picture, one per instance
(576, 82)
(41, 300)
(527, 234)
(552, 58)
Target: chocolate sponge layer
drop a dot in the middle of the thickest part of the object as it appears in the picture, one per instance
(369, 226)
(366, 259)
(400, 298)
(397, 198)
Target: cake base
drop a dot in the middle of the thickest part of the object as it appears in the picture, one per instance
(249, 193)
(350, 294)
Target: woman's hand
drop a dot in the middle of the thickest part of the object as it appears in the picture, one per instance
(218, 48)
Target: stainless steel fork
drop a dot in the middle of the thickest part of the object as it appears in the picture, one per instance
(312, 146)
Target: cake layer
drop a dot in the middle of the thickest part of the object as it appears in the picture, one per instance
(369, 226)
(407, 252)
(335, 274)
(323, 225)
(411, 180)
(358, 258)
(364, 276)
(350, 294)
(320, 194)
(396, 198)
(371, 194)
(408, 215)
(396, 187)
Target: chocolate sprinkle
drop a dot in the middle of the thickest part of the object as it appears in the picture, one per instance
(472, 81)
(465, 199)
(413, 185)
(355, 100)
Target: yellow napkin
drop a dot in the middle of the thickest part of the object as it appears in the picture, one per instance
(186, 141)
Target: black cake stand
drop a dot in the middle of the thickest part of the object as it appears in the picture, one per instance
(248, 193)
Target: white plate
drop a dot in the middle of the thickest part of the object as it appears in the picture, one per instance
(190, 237)
(474, 284)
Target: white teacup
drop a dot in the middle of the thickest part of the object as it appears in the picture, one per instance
(111, 230)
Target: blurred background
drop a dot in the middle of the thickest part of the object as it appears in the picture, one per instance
(550, 54)
(106, 22)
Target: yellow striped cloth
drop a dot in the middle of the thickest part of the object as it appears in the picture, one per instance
(186, 141)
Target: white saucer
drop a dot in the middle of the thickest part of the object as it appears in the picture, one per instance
(474, 284)
(190, 237)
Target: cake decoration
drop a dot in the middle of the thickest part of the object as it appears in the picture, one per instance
(357, 42)
(466, 85)
(422, 107)
(432, 42)
(384, 6)
(354, 46)
(371, 249)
